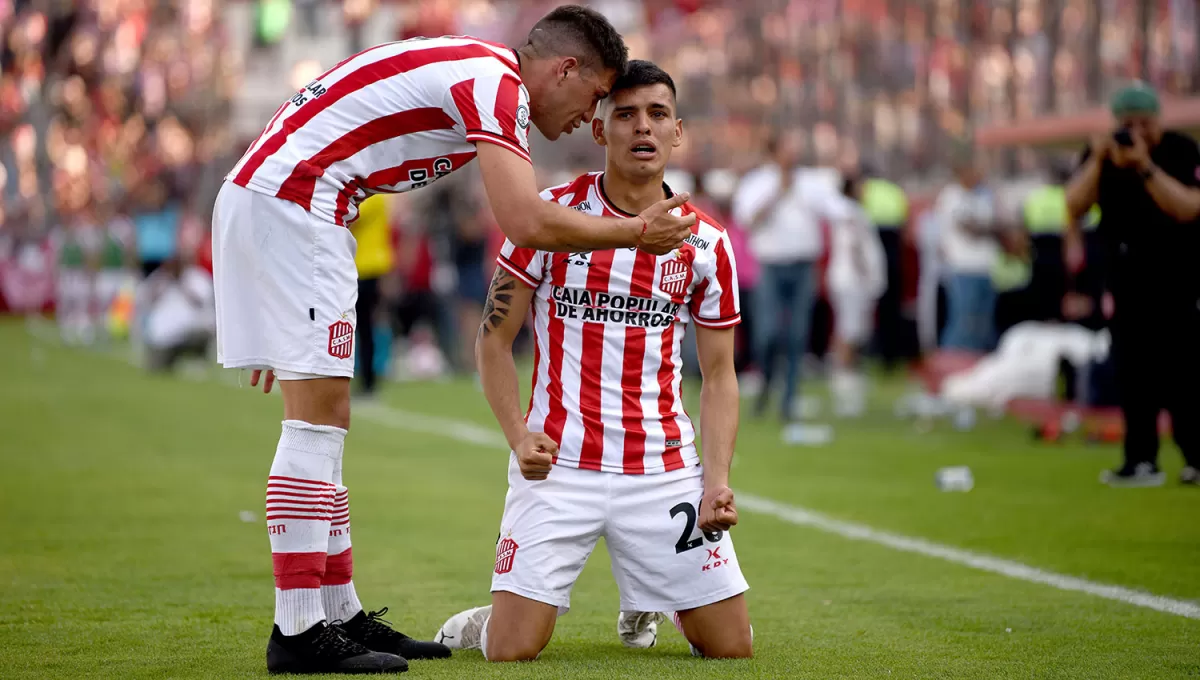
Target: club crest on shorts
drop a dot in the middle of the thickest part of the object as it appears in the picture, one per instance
(506, 552)
(341, 339)
(674, 276)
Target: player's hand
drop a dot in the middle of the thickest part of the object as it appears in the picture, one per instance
(665, 232)
(267, 383)
(535, 454)
(717, 509)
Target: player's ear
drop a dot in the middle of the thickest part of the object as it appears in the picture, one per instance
(598, 131)
(678, 140)
(565, 67)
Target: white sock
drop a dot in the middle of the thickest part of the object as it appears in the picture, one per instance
(337, 586)
(300, 503)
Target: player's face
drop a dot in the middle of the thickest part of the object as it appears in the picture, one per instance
(639, 130)
(572, 100)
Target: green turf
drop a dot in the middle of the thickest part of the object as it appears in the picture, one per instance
(124, 554)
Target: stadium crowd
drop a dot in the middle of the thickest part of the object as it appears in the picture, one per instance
(117, 117)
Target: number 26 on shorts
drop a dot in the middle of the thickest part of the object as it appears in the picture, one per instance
(686, 542)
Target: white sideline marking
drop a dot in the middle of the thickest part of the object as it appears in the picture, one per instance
(995, 565)
(478, 435)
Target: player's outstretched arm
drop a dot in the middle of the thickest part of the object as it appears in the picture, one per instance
(530, 222)
(508, 300)
(718, 425)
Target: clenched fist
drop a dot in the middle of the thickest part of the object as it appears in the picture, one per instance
(717, 510)
(665, 232)
(535, 454)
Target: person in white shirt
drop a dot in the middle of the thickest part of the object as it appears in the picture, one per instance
(177, 313)
(856, 278)
(967, 213)
(775, 203)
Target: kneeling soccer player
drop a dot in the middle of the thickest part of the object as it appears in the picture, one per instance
(606, 449)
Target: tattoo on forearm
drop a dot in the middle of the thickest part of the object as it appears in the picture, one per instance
(499, 301)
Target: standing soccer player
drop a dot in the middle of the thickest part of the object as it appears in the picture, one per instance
(606, 448)
(391, 119)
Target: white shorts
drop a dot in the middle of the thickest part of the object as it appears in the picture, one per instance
(285, 284)
(660, 558)
(853, 316)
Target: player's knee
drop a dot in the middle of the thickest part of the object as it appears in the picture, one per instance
(737, 645)
(512, 649)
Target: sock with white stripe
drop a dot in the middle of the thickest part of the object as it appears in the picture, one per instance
(337, 587)
(300, 503)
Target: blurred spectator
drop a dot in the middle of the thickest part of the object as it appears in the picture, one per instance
(856, 278)
(886, 206)
(775, 203)
(176, 313)
(373, 256)
(1146, 181)
(967, 214)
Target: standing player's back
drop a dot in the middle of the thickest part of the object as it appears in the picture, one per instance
(392, 118)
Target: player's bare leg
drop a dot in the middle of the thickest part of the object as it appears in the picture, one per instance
(513, 628)
(519, 628)
(720, 630)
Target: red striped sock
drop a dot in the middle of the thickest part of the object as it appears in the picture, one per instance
(300, 503)
(337, 586)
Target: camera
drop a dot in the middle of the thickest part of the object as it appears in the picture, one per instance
(1123, 137)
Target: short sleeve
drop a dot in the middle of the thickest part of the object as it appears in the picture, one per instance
(494, 109)
(715, 302)
(524, 263)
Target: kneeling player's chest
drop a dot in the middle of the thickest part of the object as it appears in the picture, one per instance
(609, 286)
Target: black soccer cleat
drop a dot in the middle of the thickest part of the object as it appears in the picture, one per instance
(374, 633)
(326, 649)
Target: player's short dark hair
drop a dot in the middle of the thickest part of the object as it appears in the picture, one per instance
(576, 31)
(640, 73)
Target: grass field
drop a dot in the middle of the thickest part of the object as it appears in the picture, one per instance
(124, 553)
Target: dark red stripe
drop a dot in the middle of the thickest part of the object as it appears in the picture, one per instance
(400, 173)
(725, 281)
(672, 458)
(339, 569)
(284, 505)
(556, 418)
(302, 481)
(352, 82)
(278, 113)
(273, 491)
(298, 570)
(508, 94)
(343, 201)
(591, 368)
(299, 187)
(464, 100)
(632, 415)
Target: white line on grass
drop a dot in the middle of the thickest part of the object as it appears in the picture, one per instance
(471, 433)
(995, 565)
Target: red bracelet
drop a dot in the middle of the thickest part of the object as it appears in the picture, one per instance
(645, 226)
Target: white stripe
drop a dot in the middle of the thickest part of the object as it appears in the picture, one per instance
(995, 565)
(474, 434)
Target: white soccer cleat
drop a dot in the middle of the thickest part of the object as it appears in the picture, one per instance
(638, 630)
(464, 630)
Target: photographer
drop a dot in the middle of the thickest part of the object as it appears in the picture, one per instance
(1145, 181)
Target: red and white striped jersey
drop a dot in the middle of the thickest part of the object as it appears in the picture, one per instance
(608, 327)
(390, 119)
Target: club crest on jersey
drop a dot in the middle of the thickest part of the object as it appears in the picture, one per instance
(674, 276)
(523, 116)
(341, 339)
(506, 552)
